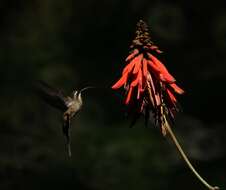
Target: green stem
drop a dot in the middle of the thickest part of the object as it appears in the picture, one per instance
(173, 137)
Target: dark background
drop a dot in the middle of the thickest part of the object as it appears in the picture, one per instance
(71, 44)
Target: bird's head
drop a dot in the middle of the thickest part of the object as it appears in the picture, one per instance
(77, 95)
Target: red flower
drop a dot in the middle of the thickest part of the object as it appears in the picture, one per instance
(146, 78)
(151, 88)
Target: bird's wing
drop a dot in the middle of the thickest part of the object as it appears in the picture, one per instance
(52, 96)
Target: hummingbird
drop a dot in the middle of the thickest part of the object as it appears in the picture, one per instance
(68, 105)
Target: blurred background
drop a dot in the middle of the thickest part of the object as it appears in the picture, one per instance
(71, 44)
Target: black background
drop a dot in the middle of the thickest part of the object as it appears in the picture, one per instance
(71, 44)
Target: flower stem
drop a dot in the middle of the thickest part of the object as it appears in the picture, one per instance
(173, 137)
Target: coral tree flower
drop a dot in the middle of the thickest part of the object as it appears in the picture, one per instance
(147, 81)
(151, 89)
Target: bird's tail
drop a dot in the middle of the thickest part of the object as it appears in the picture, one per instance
(66, 132)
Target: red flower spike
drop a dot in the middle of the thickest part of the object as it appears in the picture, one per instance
(155, 88)
(148, 78)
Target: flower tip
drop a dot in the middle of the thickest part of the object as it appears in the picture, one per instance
(177, 89)
(120, 82)
(180, 91)
(113, 87)
(116, 86)
(129, 96)
(159, 51)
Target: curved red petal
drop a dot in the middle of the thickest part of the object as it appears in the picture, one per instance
(153, 47)
(145, 68)
(153, 66)
(162, 78)
(133, 63)
(128, 68)
(129, 95)
(166, 78)
(139, 90)
(132, 55)
(135, 81)
(159, 73)
(120, 82)
(162, 68)
(159, 51)
(138, 61)
(177, 89)
(171, 96)
(158, 63)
